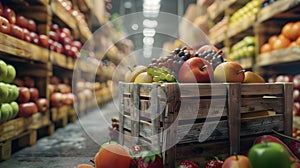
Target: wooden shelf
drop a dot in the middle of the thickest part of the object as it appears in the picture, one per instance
(19, 48)
(221, 8)
(30, 2)
(279, 57)
(65, 17)
(220, 38)
(59, 60)
(241, 26)
(85, 34)
(275, 8)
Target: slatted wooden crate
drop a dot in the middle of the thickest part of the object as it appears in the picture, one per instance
(189, 121)
(59, 116)
(42, 124)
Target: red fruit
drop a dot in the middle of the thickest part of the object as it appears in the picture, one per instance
(77, 44)
(66, 41)
(21, 21)
(55, 28)
(295, 147)
(236, 161)
(195, 70)
(31, 26)
(19, 82)
(42, 104)
(43, 41)
(74, 52)
(136, 149)
(154, 162)
(67, 50)
(28, 82)
(56, 99)
(53, 35)
(284, 78)
(214, 163)
(34, 94)
(9, 14)
(27, 36)
(187, 164)
(61, 37)
(4, 25)
(296, 81)
(34, 38)
(27, 109)
(24, 95)
(17, 31)
(296, 108)
(66, 31)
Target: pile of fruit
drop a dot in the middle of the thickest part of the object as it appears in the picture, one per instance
(62, 41)
(60, 93)
(29, 99)
(288, 37)
(243, 49)
(244, 13)
(184, 65)
(266, 152)
(8, 93)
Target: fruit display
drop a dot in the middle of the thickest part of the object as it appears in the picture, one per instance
(29, 99)
(289, 37)
(243, 49)
(60, 93)
(219, 28)
(62, 41)
(204, 65)
(244, 13)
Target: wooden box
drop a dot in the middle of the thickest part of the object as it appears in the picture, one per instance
(190, 121)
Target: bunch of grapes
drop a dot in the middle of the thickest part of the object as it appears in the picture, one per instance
(161, 74)
(173, 61)
(214, 57)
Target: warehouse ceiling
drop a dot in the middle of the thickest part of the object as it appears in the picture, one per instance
(176, 7)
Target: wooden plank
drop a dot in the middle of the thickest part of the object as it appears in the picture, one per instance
(234, 117)
(19, 48)
(240, 27)
(275, 8)
(13, 128)
(249, 105)
(58, 59)
(275, 57)
(261, 89)
(135, 113)
(288, 109)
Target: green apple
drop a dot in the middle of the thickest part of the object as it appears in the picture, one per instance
(3, 92)
(6, 111)
(14, 91)
(10, 75)
(15, 109)
(3, 70)
(249, 40)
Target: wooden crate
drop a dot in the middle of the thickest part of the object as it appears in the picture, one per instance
(42, 124)
(72, 115)
(59, 116)
(217, 118)
(23, 139)
(13, 128)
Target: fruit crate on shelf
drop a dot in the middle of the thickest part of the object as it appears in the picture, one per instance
(42, 124)
(59, 116)
(162, 115)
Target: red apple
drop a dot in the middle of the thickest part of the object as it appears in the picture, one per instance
(195, 70)
(27, 36)
(51, 88)
(56, 99)
(54, 80)
(74, 52)
(19, 82)
(21, 21)
(34, 94)
(67, 41)
(34, 38)
(4, 25)
(27, 109)
(58, 47)
(31, 26)
(229, 72)
(296, 95)
(24, 95)
(9, 14)
(76, 44)
(53, 35)
(67, 50)
(43, 41)
(68, 98)
(284, 78)
(28, 82)
(296, 81)
(42, 104)
(55, 28)
(1, 9)
(236, 161)
(61, 37)
(17, 31)
(296, 108)
(66, 31)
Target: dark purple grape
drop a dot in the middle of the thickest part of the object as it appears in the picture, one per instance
(208, 57)
(181, 53)
(180, 62)
(177, 50)
(160, 65)
(176, 58)
(169, 62)
(186, 57)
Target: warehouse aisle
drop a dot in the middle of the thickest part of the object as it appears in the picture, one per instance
(68, 146)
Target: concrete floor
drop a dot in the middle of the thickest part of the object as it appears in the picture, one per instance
(67, 147)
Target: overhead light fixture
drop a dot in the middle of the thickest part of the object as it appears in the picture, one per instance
(148, 41)
(150, 23)
(148, 32)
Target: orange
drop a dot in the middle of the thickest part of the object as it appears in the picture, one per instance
(112, 156)
(85, 166)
